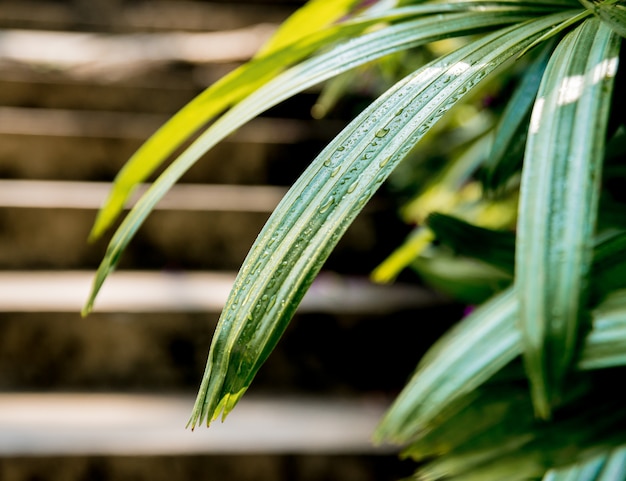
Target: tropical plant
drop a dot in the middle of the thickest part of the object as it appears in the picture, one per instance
(525, 209)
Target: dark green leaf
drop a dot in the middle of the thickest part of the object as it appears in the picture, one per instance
(558, 205)
(491, 246)
(507, 151)
(612, 12)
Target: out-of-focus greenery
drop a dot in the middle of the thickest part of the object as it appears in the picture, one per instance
(508, 126)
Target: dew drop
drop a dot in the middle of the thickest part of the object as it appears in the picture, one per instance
(381, 133)
(379, 178)
(384, 162)
(352, 187)
(341, 148)
(363, 199)
(327, 205)
(335, 171)
(256, 267)
(271, 302)
(327, 162)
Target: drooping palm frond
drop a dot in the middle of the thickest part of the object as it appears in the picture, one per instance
(412, 32)
(560, 308)
(311, 218)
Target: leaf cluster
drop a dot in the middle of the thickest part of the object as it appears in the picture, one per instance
(521, 218)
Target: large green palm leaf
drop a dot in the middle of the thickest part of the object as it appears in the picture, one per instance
(558, 205)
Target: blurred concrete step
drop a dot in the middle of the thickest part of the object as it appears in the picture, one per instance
(55, 238)
(90, 53)
(161, 91)
(65, 144)
(37, 424)
(58, 291)
(235, 467)
(45, 224)
(91, 195)
(152, 15)
(36, 238)
(135, 125)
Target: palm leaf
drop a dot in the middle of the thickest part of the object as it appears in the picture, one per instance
(507, 151)
(463, 279)
(615, 466)
(410, 33)
(287, 47)
(603, 467)
(323, 202)
(558, 204)
(514, 446)
(489, 337)
(314, 16)
(605, 345)
(452, 191)
(610, 12)
(497, 248)
(460, 361)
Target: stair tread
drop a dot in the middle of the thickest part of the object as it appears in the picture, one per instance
(154, 15)
(91, 195)
(145, 291)
(96, 52)
(138, 125)
(154, 424)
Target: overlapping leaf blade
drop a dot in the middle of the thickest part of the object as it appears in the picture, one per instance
(460, 361)
(612, 12)
(558, 204)
(510, 136)
(314, 16)
(288, 46)
(492, 434)
(605, 345)
(588, 470)
(490, 338)
(615, 466)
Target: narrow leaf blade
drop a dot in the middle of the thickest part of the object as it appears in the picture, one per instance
(209, 104)
(558, 204)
